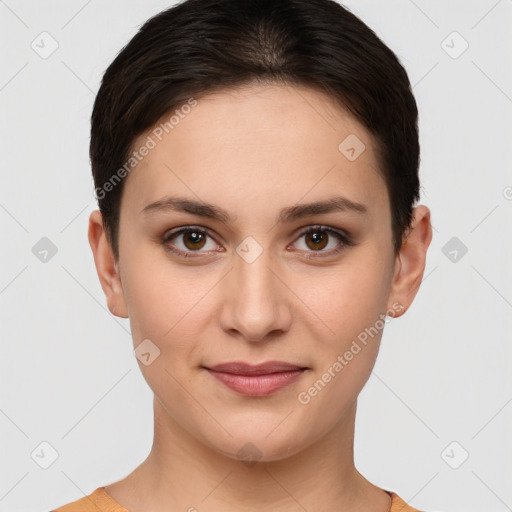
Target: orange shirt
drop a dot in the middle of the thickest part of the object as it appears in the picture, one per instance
(100, 501)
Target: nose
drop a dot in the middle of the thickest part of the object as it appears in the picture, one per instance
(256, 303)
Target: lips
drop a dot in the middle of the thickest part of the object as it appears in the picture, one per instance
(240, 368)
(256, 380)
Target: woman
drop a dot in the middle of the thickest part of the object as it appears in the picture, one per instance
(256, 168)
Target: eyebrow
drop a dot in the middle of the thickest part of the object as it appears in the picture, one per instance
(288, 214)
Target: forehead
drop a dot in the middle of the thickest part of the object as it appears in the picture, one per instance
(258, 148)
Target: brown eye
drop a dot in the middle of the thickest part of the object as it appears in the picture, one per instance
(318, 240)
(194, 240)
(189, 241)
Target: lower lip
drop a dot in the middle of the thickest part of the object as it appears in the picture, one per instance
(257, 385)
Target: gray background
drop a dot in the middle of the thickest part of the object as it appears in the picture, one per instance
(441, 389)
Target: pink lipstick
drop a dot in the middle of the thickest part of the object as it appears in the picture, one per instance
(256, 380)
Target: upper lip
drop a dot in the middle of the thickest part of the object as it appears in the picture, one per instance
(241, 368)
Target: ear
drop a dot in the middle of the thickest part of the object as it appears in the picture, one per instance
(410, 262)
(106, 266)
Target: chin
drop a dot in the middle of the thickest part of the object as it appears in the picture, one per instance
(254, 446)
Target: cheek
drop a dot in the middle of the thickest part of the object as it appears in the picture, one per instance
(344, 360)
(342, 301)
(165, 303)
(162, 309)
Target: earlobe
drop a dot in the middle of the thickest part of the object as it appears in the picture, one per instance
(410, 267)
(106, 266)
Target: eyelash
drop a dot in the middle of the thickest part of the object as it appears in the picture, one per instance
(345, 240)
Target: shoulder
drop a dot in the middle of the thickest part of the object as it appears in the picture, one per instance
(97, 501)
(399, 505)
(100, 501)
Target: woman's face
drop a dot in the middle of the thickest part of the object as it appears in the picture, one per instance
(247, 285)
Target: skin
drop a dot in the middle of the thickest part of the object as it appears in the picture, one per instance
(253, 151)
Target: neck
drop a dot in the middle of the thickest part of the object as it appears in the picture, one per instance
(182, 473)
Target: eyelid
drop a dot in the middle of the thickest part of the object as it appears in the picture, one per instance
(170, 235)
(345, 240)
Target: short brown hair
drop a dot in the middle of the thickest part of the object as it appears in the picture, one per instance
(201, 46)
